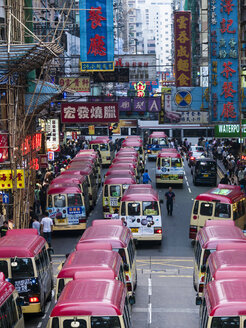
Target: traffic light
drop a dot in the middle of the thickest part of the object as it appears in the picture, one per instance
(110, 131)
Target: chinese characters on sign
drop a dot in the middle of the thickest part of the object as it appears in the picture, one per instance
(89, 112)
(79, 84)
(4, 145)
(182, 32)
(140, 88)
(7, 176)
(224, 61)
(31, 143)
(53, 135)
(96, 35)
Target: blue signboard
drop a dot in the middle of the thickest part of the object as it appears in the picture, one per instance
(96, 35)
(5, 198)
(224, 60)
(74, 210)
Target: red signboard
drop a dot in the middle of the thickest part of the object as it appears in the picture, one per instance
(43, 161)
(90, 112)
(182, 35)
(3, 147)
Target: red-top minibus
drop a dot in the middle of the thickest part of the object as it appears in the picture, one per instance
(105, 147)
(90, 261)
(206, 242)
(92, 303)
(120, 237)
(169, 168)
(223, 202)
(25, 262)
(224, 304)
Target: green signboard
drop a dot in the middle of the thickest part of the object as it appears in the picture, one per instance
(230, 130)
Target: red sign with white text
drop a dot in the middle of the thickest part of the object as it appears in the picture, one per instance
(90, 112)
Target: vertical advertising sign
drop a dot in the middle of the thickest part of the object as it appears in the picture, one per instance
(182, 35)
(96, 35)
(224, 60)
(53, 131)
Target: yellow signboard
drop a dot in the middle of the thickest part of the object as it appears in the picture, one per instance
(91, 129)
(78, 84)
(7, 176)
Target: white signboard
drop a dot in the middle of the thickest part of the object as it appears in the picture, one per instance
(52, 132)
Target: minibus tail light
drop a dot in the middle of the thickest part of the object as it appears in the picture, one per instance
(158, 168)
(192, 158)
(158, 230)
(33, 300)
(180, 176)
(82, 220)
(158, 177)
(201, 288)
(129, 286)
(194, 217)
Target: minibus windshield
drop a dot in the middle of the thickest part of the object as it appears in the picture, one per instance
(115, 191)
(134, 209)
(219, 322)
(176, 162)
(104, 147)
(162, 141)
(21, 268)
(150, 208)
(105, 322)
(166, 162)
(68, 323)
(59, 201)
(222, 210)
(74, 200)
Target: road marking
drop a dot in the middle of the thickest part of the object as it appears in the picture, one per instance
(174, 276)
(39, 325)
(153, 260)
(186, 178)
(189, 190)
(167, 310)
(149, 313)
(187, 183)
(149, 287)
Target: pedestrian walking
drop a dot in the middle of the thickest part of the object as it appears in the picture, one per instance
(47, 227)
(170, 198)
(146, 177)
(36, 225)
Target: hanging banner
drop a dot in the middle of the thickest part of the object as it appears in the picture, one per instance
(224, 60)
(53, 132)
(6, 179)
(182, 35)
(96, 35)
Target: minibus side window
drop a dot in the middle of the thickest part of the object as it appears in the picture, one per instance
(105, 322)
(221, 322)
(59, 201)
(207, 252)
(4, 268)
(133, 209)
(244, 324)
(55, 323)
(49, 201)
(122, 254)
(206, 209)
(46, 256)
(204, 316)
(67, 323)
(23, 269)
(222, 210)
(105, 190)
(208, 276)
(195, 209)
(150, 208)
(198, 251)
(121, 274)
(74, 200)
(42, 260)
(123, 208)
(61, 285)
(126, 316)
(9, 313)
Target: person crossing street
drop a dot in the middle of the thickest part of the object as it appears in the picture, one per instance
(170, 198)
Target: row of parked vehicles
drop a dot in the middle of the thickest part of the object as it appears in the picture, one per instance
(219, 276)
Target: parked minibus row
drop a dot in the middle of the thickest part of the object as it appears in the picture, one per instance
(72, 195)
(96, 285)
(225, 202)
(220, 275)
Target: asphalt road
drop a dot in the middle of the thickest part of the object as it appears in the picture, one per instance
(164, 297)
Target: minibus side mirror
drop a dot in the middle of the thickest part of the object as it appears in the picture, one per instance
(20, 301)
(203, 268)
(161, 201)
(198, 300)
(126, 267)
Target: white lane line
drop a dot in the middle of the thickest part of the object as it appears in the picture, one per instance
(189, 190)
(39, 325)
(187, 183)
(186, 178)
(149, 313)
(149, 286)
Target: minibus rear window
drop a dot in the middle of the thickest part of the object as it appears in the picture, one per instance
(222, 210)
(59, 201)
(165, 162)
(225, 322)
(133, 209)
(74, 200)
(206, 209)
(105, 322)
(4, 268)
(68, 323)
(150, 208)
(104, 147)
(115, 191)
(22, 268)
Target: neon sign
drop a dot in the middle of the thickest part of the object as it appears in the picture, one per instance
(140, 87)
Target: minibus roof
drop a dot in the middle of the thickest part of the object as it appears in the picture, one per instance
(63, 184)
(169, 150)
(75, 179)
(231, 261)
(121, 159)
(227, 194)
(224, 246)
(169, 154)
(91, 297)
(120, 172)
(99, 245)
(84, 163)
(141, 193)
(107, 222)
(86, 158)
(127, 150)
(21, 243)
(114, 179)
(84, 151)
(6, 289)
(84, 170)
(226, 297)
(99, 141)
(126, 153)
(90, 260)
(122, 164)
(157, 134)
(210, 223)
(210, 237)
(60, 189)
(118, 236)
(132, 143)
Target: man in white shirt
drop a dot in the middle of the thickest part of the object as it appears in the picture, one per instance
(47, 227)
